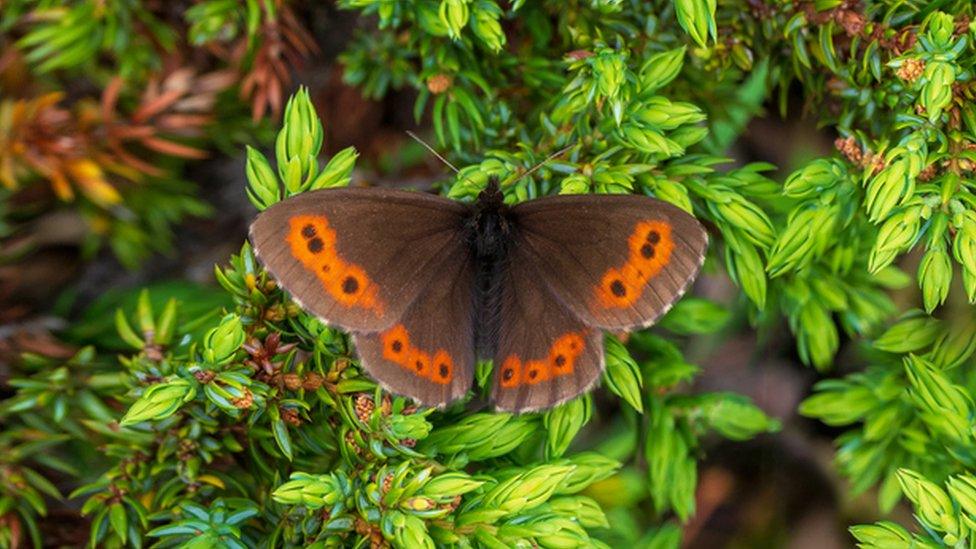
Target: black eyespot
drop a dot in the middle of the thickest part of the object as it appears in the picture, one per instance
(397, 346)
(653, 237)
(443, 370)
(315, 245)
(308, 231)
(618, 288)
(350, 285)
(326, 268)
(647, 251)
(560, 360)
(419, 365)
(508, 374)
(533, 374)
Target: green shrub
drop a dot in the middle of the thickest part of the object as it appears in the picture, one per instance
(231, 417)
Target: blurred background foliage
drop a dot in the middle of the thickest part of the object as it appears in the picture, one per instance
(147, 398)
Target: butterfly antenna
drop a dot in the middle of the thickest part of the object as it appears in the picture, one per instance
(432, 151)
(549, 158)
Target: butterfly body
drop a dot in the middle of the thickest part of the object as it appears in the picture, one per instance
(428, 285)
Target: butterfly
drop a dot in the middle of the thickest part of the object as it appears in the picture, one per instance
(427, 285)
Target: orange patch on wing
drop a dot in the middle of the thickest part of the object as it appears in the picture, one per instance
(650, 247)
(313, 244)
(559, 361)
(398, 350)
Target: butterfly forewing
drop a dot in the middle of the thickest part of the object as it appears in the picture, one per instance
(358, 258)
(545, 355)
(616, 261)
(413, 277)
(428, 354)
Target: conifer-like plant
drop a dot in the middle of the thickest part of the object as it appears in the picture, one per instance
(226, 416)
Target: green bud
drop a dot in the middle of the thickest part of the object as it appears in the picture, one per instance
(409, 531)
(454, 15)
(338, 171)
(160, 401)
(661, 68)
(888, 189)
(940, 29)
(449, 485)
(962, 488)
(484, 23)
(810, 228)
(221, 343)
(935, 277)
(622, 374)
(881, 535)
(932, 506)
(896, 235)
(687, 136)
(736, 418)
(745, 267)
(413, 426)
(936, 95)
(913, 332)
(311, 491)
(481, 436)
(662, 114)
(746, 216)
(969, 283)
(697, 18)
(584, 509)
(817, 337)
(814, 178)
(964, 243)
(563, 422)
(672, 192)
(575, 183)
(648, 140)
(262, 184)
(839, 402)
(609, 69)
(300, 138)
(586, 469)
(944, 406)
(528, 489)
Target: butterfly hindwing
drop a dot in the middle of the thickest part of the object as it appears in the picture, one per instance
(428, 354)
(616, 261)
(544, 354)
(358, 258)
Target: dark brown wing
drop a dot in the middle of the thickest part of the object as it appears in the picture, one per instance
(545, 355)
(615, 261)
(358, 258)
(429, 353)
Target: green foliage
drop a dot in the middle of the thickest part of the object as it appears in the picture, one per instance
(251, 422)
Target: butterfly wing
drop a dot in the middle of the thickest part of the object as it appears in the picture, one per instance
(429, 354)
(544, 355)
(615, 261)
(358, 258)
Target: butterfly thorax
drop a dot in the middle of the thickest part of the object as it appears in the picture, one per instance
(489, 229)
